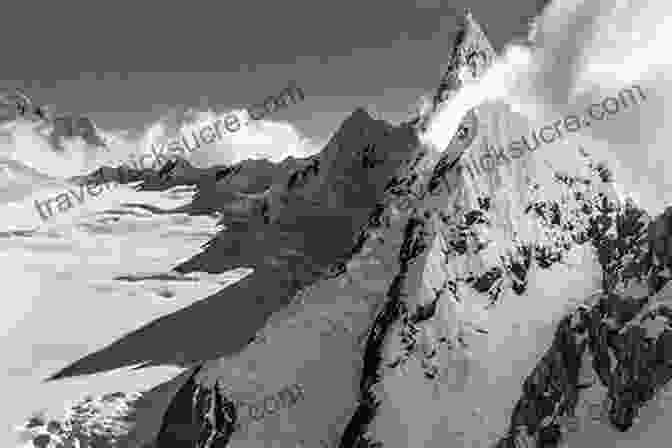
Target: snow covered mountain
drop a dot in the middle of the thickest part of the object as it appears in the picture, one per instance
(407, 295)
(470, 303)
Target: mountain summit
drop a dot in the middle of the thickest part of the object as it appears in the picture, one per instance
(471, 55)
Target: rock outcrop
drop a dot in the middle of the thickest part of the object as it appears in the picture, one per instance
(99, 422)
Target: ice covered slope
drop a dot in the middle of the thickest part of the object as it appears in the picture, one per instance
(462, 314)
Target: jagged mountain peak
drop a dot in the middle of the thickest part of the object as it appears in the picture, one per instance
(360, 113)
(471, 54)
(358, 125)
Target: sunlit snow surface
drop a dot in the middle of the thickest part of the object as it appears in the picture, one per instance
(78, 282)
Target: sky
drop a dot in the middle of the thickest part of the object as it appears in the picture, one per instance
(125, 64)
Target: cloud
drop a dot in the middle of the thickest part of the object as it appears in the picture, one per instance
(587, 51)
(265, 138)
(581, 52)
(256, 139)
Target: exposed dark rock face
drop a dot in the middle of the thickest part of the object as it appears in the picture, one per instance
(552, 389)
(659, 237)
(643, 366)
(355, 434)
(631, 362)
(216, 415)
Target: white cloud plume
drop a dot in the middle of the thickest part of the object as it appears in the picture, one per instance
(584, 51)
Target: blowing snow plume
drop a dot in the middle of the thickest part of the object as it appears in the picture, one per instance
(579, 53)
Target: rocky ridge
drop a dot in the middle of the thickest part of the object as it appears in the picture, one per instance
(429, 274)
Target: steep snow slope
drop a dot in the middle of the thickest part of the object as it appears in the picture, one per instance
(330, 317)
(471, 279)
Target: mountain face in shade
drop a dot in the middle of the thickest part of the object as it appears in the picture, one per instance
(279, 231)
(416, 297)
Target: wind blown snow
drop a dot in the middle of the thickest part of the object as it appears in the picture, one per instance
(580, 52)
